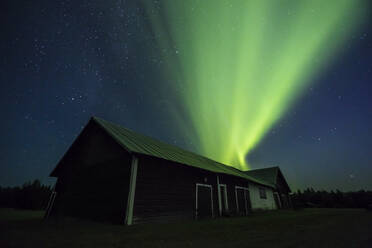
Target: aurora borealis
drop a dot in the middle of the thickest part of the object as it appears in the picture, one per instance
(243, 63)
(252, 84)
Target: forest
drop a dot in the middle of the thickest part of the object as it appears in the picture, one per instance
(34, 196)
(331, 199)
(31, 195)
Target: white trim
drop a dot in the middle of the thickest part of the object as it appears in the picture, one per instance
(245, 197)
(132, 191)
(50, 204)
(196, 196)
(204, 185)
(219, 196)
(225, 193)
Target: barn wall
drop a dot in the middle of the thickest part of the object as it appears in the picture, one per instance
(166, 190)
(283, 191)
(231, 182)
(281, 185)
(94, 179)
(257, 202)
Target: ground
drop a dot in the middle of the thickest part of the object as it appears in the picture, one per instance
(287, 228)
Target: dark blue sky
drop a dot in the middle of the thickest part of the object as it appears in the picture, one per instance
(64, 61)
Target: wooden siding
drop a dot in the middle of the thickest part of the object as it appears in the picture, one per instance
(93, 183)
(231, 182)
(281, 185)
(257, 202)
(204, 201)
(166, 190)
(283, 192)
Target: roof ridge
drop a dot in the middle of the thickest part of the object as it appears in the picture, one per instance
(164, 143)
(143, 144)
(266, 168)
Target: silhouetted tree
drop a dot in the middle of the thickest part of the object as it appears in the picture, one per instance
(311, 198)
(32, 195)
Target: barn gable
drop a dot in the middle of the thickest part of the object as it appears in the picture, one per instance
(272, 175)
(90, 177)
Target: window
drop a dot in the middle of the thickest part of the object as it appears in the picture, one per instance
(262, 193)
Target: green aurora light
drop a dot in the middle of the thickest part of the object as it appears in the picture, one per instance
(241, 64)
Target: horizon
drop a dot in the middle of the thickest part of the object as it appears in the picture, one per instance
(306, 108)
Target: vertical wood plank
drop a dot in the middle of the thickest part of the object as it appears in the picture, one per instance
(132, 190)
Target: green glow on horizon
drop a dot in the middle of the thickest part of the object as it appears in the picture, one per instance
(242, 63)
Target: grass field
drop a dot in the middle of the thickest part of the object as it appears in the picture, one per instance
(303, 228)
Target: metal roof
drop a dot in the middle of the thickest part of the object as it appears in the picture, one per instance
(141, 144)
(269, 175)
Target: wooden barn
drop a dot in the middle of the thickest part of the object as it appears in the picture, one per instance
(113, 174)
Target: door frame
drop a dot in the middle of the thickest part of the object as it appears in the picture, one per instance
(226, 203)
(196, 196)
(245, 189)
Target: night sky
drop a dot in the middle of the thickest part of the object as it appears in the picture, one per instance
(65, 61)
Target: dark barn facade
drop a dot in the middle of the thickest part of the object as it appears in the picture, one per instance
(113, 174)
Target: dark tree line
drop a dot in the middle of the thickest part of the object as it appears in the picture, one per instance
(332, 199)
(31, 195)
(35, 196)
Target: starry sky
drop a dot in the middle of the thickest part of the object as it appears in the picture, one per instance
(65, 61)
